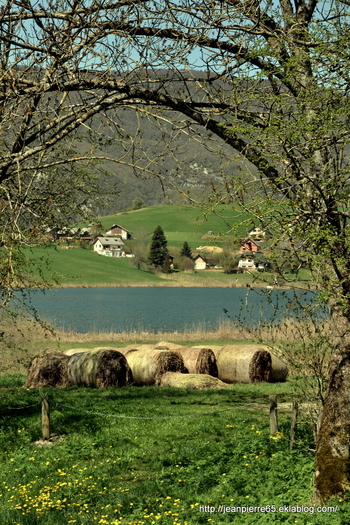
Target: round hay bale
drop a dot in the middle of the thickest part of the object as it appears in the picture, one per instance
(99, 368)
(73, 351)
(199, 360)
(279, 368)
(194, 381)
(48, 369)
(276, 371)
(148, 365)
(244, 364)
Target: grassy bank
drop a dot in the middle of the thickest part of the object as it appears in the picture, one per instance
(119, 471)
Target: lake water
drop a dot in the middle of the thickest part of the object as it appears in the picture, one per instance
(156, 309)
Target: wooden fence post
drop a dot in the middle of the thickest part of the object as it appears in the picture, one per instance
(273, 415)
(45, 417)
(293, 424)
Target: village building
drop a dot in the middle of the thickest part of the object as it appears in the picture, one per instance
(249, 263)
(199, 262)
(109, 246)
(249, 245)
(119, 231)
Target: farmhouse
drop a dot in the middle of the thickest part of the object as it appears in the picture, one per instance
(109, 246)
(119, 231)
(249, 246)
(199, 262)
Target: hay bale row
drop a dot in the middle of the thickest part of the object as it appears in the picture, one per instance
(146, 364)
(192, 381)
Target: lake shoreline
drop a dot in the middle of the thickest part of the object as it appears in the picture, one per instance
(184, 285)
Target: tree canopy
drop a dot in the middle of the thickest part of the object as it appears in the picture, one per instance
(264, 84)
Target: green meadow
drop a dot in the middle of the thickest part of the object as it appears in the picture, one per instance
(146, 456)
(79, 267)
(180, 223)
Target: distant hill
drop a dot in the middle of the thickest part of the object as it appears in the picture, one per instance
(162, 147)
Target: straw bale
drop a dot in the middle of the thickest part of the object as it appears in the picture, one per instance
(194, 381)
(49, 368)
(148, 365)
(279, 368)
(199, 360)
(249, 364)
(99, 368)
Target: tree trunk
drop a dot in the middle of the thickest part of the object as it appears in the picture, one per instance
(332, 470)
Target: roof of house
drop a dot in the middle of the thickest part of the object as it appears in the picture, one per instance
(110, 241)
(249, 240)
(117, 226)
(199, 256)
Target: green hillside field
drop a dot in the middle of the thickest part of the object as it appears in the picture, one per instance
(180, 224)
(79, 267)
(83, 267)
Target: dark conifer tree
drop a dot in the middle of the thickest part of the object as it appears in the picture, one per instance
(158, 251)
(186, 250)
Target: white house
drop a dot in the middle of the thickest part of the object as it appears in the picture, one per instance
(118, 230)
(109, 246)
(247, 263)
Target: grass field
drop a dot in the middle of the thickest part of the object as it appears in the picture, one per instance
(180, 223)
(78, 267)
(168, 469)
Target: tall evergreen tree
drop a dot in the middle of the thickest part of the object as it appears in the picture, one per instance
(186, 250)
(158, 251)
